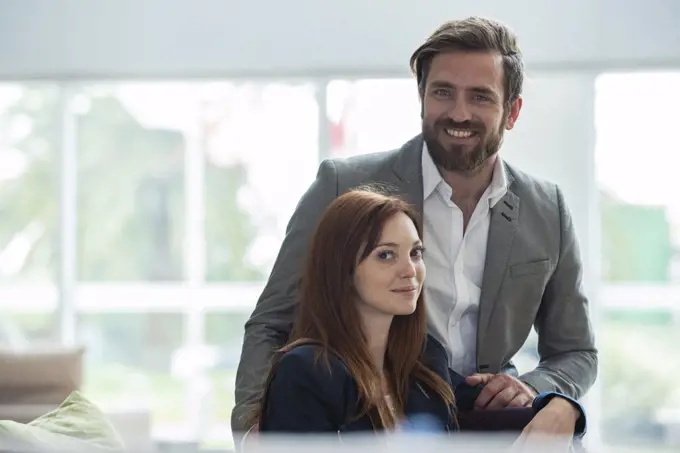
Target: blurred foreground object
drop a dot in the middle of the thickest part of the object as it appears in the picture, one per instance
(34, 382)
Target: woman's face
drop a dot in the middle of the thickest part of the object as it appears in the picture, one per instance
(391, 277)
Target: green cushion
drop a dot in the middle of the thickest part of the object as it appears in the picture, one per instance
(77, 425)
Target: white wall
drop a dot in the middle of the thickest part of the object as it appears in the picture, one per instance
(227, 38)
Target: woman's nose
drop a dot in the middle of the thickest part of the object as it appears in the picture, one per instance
(408, 269)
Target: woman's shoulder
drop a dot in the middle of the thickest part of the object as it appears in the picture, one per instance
(306, 353)
(434, 353)
(311, 361)
(309, 353)
(307, 391)
(436, 358)
(434, 347)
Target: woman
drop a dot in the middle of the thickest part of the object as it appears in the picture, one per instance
(359, 357)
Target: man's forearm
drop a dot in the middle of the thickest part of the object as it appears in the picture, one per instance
(570, 373)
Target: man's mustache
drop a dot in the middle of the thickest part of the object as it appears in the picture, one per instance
(450, 124)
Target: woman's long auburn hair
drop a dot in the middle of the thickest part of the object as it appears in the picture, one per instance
(327, 314)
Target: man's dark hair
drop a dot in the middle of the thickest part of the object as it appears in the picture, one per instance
(474, 34)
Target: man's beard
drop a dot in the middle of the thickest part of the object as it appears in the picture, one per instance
(458, 158)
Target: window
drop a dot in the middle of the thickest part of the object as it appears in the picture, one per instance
(372, 115)
(637, 161)
(29, 212)
(636, 168)
(262, 150)
(184, 192)
(29, 128)
(131, 206)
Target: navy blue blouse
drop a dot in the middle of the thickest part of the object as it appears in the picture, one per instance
(306, 396)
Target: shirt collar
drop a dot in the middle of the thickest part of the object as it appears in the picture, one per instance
(431, 176)
(432, 179)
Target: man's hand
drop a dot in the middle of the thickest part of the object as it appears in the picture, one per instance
(501, 391)
(553, 427)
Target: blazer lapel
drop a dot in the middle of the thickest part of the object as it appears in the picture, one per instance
(408, 168)
(502, 228)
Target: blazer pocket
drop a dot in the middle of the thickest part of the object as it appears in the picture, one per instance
(535, 267)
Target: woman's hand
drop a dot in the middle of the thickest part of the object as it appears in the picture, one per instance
(552, 426)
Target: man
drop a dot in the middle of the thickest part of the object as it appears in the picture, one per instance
(501, 249)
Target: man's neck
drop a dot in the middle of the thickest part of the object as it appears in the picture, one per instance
(468, 188)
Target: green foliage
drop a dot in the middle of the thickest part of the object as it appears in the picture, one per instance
(131, 212)
(29, 203)
(636, 242)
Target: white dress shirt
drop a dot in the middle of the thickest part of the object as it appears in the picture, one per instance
(454, 260)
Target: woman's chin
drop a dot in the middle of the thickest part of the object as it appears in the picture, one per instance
(405, 310)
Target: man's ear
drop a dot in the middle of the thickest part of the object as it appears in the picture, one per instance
(513, 113)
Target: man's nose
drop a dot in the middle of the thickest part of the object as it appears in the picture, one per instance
(460, 110)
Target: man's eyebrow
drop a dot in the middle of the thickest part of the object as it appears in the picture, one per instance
(481, 89)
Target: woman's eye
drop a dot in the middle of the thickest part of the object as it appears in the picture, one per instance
(385, 255)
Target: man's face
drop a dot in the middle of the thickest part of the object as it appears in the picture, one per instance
(463, 111)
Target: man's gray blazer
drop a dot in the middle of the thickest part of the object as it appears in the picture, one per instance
(532, 276)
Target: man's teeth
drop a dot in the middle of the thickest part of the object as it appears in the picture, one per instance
(459, 133)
